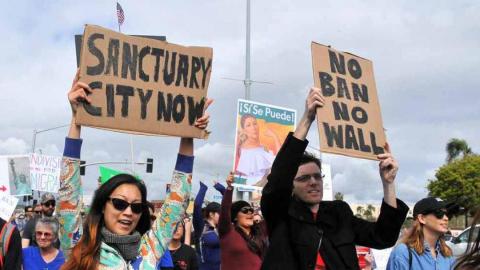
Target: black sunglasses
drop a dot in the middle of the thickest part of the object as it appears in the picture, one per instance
(121, 205)
(49, 203)
(247, 210)
(306, 177)
(439, 213)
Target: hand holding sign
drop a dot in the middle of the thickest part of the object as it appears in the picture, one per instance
(314, 100)
(230, 179)
(78, 93)
(203, 121)
(388, 166)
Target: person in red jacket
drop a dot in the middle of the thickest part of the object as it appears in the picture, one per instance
(242, 242)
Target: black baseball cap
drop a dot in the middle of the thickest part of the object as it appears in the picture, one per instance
(428, 205)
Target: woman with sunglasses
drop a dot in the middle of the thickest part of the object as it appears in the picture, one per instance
(117, 233)
(45, 255)
(242, 242)
(423, 246)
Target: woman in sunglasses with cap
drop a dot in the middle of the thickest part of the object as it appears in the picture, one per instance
(242, 242)
(117, 233)
(423, 246)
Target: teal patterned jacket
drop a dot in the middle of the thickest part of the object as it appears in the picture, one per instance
(153, 243)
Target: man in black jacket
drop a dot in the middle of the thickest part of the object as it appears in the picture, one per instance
(305, 233)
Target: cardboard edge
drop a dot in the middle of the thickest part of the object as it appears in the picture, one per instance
(345, 52)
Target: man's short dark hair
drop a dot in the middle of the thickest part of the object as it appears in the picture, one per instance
(308, 157)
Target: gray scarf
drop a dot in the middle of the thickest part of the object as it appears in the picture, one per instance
(127, 245)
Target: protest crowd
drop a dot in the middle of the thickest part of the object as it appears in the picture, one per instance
(292, 227)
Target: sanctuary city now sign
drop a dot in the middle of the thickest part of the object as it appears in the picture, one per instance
(143, 85)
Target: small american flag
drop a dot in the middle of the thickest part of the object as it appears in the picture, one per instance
(120, 14)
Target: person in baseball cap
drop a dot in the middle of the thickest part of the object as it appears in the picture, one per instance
(423, 246)
(430, 205)
(48, 204)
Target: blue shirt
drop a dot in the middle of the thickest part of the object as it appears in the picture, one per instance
(399, 259)
(166, 260)
(32, 260)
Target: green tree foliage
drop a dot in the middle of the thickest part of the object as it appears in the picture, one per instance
(458, 181)
(338, 196)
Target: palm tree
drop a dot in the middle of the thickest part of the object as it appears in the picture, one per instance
(455, 147)
(339, 196)
(360, 211)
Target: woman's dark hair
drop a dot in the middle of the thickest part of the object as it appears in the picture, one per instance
(85, 254)
(256, 241)
(471, 258)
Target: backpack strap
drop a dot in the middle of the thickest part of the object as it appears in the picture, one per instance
(409, 257)
(5, 236)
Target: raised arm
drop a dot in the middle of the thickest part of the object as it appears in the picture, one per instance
(278, 190)
(220, 188)
(388, 168)
(70, 191)
(198, 222)
(224, 222)
(155, 242)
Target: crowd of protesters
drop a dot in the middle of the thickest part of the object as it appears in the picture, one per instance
(293, 229)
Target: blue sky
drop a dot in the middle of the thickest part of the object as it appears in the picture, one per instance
(425, 57)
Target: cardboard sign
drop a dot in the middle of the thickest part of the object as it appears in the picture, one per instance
(350, 123)
(15, 175)
(143, 86)
(261, 130)
(45, 172)
(7, 206)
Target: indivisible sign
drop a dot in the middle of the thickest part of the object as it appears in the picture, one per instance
(261, 130)
(350, 123)
(45, 172)
(143, 86)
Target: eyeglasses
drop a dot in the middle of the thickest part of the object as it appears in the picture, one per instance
(439, 213)
(121, 205)
(50, 203)
(38, 212)
(304, 178)
(247, 210)
(39, 234)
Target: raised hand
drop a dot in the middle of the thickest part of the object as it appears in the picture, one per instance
(388, 166)
(203, 121)
(78, 93)
(230, 179)
(314, 100)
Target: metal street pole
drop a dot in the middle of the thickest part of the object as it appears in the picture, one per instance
(247, 81)
(35, 132)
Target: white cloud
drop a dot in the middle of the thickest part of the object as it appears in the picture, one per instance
(13, 146)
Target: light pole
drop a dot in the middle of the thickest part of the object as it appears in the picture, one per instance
(35, 132)
(247, 81)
